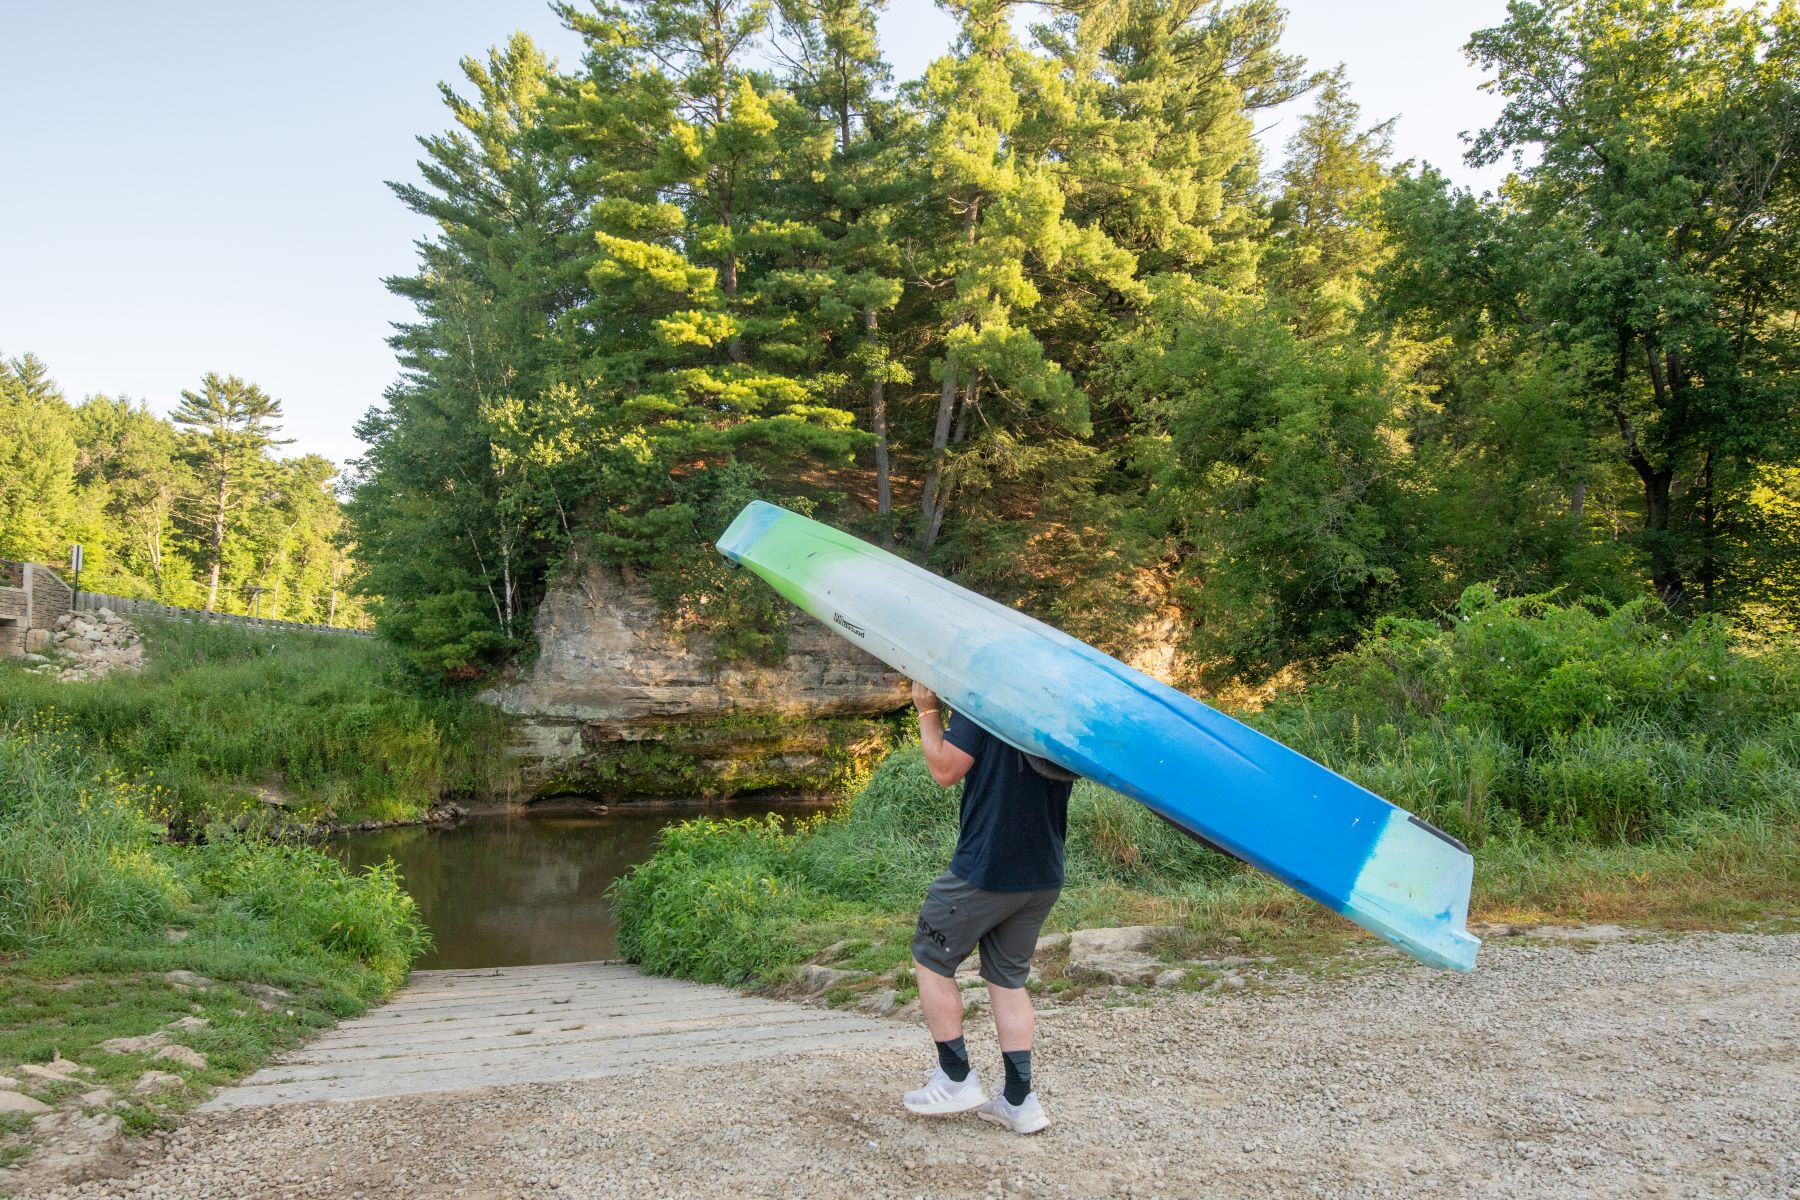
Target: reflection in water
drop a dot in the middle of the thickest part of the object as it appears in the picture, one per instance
(511, 891)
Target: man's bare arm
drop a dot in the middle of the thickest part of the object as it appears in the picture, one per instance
(948, 764)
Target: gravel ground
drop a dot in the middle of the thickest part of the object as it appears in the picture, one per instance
(1653, 1068)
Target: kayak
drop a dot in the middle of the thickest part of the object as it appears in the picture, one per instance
(1048, 694)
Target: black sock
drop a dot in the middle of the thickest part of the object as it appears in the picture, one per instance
(1018, 1075)
(953, 1057)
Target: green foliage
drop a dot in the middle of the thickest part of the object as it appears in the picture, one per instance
(714, 903)
(741, 901)
(78, 848)
(1675, 798)
(1323, 240)
(89, 887)
(83, 861)
(37, 463)
(1586, 720)
(1651, 243)
(155, 508)
(1267, 466)
(330, 726)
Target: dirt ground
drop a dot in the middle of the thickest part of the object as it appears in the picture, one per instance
(1632, 1068)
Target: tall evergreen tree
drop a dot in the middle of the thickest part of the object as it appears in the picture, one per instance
(464, 497)
(1324, 237)
(37, 462)
(704, 355)
(854, 193)
(234, 424)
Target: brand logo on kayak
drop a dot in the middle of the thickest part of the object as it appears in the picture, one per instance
(838, 619)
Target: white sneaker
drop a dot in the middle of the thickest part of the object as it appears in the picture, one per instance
(1025, 1117)
(942, 1094)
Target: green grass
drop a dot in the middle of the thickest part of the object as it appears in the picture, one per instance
(226, 715)
(745, 902)
(1604, 764)
(92, 896)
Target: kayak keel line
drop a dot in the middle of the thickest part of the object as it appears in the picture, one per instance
(1048, 694)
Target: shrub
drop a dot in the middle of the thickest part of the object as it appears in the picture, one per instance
(1585, 720)
(718, 902)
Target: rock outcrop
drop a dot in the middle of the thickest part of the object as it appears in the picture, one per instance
(617, 704)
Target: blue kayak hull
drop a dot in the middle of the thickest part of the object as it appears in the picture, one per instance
(1047, 693)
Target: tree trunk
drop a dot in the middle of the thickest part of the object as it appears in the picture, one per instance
(218, 537)
(940, 438)
(1708, 529)
(1665, 570)
(962, 413)
(884, 492)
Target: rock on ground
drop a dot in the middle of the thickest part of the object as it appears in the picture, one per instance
(76, 1146)
(1622, 1069)
(91, 645)
(1115, 955)
(19, 1102)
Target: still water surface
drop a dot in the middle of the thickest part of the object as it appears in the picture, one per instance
(513, 891)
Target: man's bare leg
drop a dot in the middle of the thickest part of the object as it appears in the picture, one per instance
(954, 1087)
(1014, 1020)
(1017, 1107)
(942, 1003)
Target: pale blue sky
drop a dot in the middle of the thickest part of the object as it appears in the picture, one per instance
(197, 185)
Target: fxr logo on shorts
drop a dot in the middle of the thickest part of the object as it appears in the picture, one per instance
(925, 928)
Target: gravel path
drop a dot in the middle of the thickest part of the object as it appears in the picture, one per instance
(1658, 1068)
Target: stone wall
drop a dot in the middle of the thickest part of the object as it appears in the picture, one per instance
(51, 598)
(617, 705)
(32, 600)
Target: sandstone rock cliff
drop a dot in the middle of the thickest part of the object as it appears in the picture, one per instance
(617, 705)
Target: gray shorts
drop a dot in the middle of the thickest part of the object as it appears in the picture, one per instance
(959, 916)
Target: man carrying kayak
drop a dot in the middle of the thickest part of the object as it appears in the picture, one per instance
(1005, 875)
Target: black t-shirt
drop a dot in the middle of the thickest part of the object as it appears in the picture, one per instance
(1013, 819)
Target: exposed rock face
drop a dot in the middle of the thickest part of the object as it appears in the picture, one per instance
(618, 704)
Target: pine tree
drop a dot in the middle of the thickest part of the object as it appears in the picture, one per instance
(994, 179)
(464, 501)
(703, 359)
(37, 463)
(1324, 237)
(234, 423)
(852, 188)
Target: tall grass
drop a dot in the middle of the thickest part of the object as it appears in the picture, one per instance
(225, 716)
(98, 907)
(1583, 721)
(1604, 762)
(88, 880)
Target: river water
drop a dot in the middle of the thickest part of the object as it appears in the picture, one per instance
(518, 890)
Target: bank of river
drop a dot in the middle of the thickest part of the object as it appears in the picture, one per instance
(504, 891)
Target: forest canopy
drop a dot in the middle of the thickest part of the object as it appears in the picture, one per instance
(1045, 320)
(193, 510)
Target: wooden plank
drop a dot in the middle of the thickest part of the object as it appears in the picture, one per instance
(459, 1030)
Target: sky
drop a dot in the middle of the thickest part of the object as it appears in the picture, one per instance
(198, 185)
